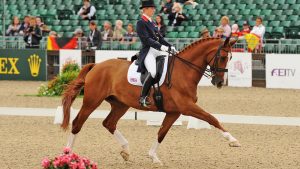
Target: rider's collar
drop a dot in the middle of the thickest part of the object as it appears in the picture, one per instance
(146, 18)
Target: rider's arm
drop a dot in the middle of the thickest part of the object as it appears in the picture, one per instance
(163, 41)
(145, 37)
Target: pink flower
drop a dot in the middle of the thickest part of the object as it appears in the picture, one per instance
(74, 157)
(73, 165)
(81, 165)
(65, 159)
(86, 161)
(94, 166)
(67, 150)
(46, 163)
(56, 163)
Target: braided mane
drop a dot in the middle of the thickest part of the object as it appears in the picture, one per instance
(196, 43)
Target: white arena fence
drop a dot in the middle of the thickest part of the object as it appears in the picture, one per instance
(281, 70)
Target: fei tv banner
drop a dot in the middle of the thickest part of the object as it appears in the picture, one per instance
(240, 70)
(23, 64)
(283, 71)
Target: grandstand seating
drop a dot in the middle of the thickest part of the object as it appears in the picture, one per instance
(281, 17)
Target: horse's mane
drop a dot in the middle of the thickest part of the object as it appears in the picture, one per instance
(196, 43)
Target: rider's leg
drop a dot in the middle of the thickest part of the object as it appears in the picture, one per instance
(150, 64)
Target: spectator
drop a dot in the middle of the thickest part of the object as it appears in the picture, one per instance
(24, 25)
(130, 36)
(53, 34)
(219, 33)
(119, 31)
(14, 28)
(88, 11)
(235, 31)
(161, 25)
(246, 29)
(95, 38)
(259, 30)
(44, 28)
(33, 34)
(167, 8)
(176, 17)
(191, 2)
(205, 33)
(78, 33)
(107, 33)
(225, 26)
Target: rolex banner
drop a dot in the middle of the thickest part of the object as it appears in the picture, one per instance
(22, 64)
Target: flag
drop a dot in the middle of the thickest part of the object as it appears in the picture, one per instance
(252, 40)
(61, 43)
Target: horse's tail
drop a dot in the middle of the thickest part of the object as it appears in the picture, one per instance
(72, 91)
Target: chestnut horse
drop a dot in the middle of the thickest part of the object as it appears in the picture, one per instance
(108, 81)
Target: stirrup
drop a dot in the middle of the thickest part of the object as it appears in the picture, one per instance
(144, 102)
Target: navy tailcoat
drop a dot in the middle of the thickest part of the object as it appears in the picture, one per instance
(150, 37)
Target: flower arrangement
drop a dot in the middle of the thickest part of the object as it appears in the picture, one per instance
(56, 86)
(68, 160)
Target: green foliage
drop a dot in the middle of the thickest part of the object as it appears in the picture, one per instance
(56, 86)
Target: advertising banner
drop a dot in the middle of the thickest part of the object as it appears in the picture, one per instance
(23, 64)
(103, 55)
(283, 71)
(240, 70)
(69, 56)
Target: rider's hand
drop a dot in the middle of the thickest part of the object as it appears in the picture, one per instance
(174, 50)
(164, 48)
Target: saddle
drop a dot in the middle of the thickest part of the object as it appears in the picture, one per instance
(157, 95)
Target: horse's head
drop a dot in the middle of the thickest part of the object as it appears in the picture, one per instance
(218, 62)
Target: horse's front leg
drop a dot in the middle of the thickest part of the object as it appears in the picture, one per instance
(195, 111)
(169, 120)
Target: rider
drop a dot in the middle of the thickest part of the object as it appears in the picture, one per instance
(153, 43)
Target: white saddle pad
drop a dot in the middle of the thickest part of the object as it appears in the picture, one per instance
(134, 77)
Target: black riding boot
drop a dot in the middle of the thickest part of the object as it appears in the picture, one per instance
(145, 90)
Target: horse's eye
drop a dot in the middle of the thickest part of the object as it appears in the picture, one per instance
(223, 59)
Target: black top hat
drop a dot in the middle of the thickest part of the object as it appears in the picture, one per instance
(147, 3)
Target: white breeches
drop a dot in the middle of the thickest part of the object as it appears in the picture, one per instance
(150, 61)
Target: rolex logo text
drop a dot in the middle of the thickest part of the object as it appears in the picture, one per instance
(9, 66)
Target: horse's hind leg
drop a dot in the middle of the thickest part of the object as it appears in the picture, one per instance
(90, 103)
(197, 112)
(118, 109)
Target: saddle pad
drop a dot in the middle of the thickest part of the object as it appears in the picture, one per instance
(134, 77)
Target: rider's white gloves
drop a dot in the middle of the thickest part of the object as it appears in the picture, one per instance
(174, 50)
(164, 48)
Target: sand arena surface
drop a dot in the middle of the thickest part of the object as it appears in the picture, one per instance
(25, 141)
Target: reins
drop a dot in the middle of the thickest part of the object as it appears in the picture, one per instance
(206, 72)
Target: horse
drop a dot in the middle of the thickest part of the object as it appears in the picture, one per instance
(108, 81)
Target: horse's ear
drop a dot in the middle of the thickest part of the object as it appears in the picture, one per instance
(226, 42)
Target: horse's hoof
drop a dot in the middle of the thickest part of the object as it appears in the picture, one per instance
(155, 160)
(125, 155)
(235, 144)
